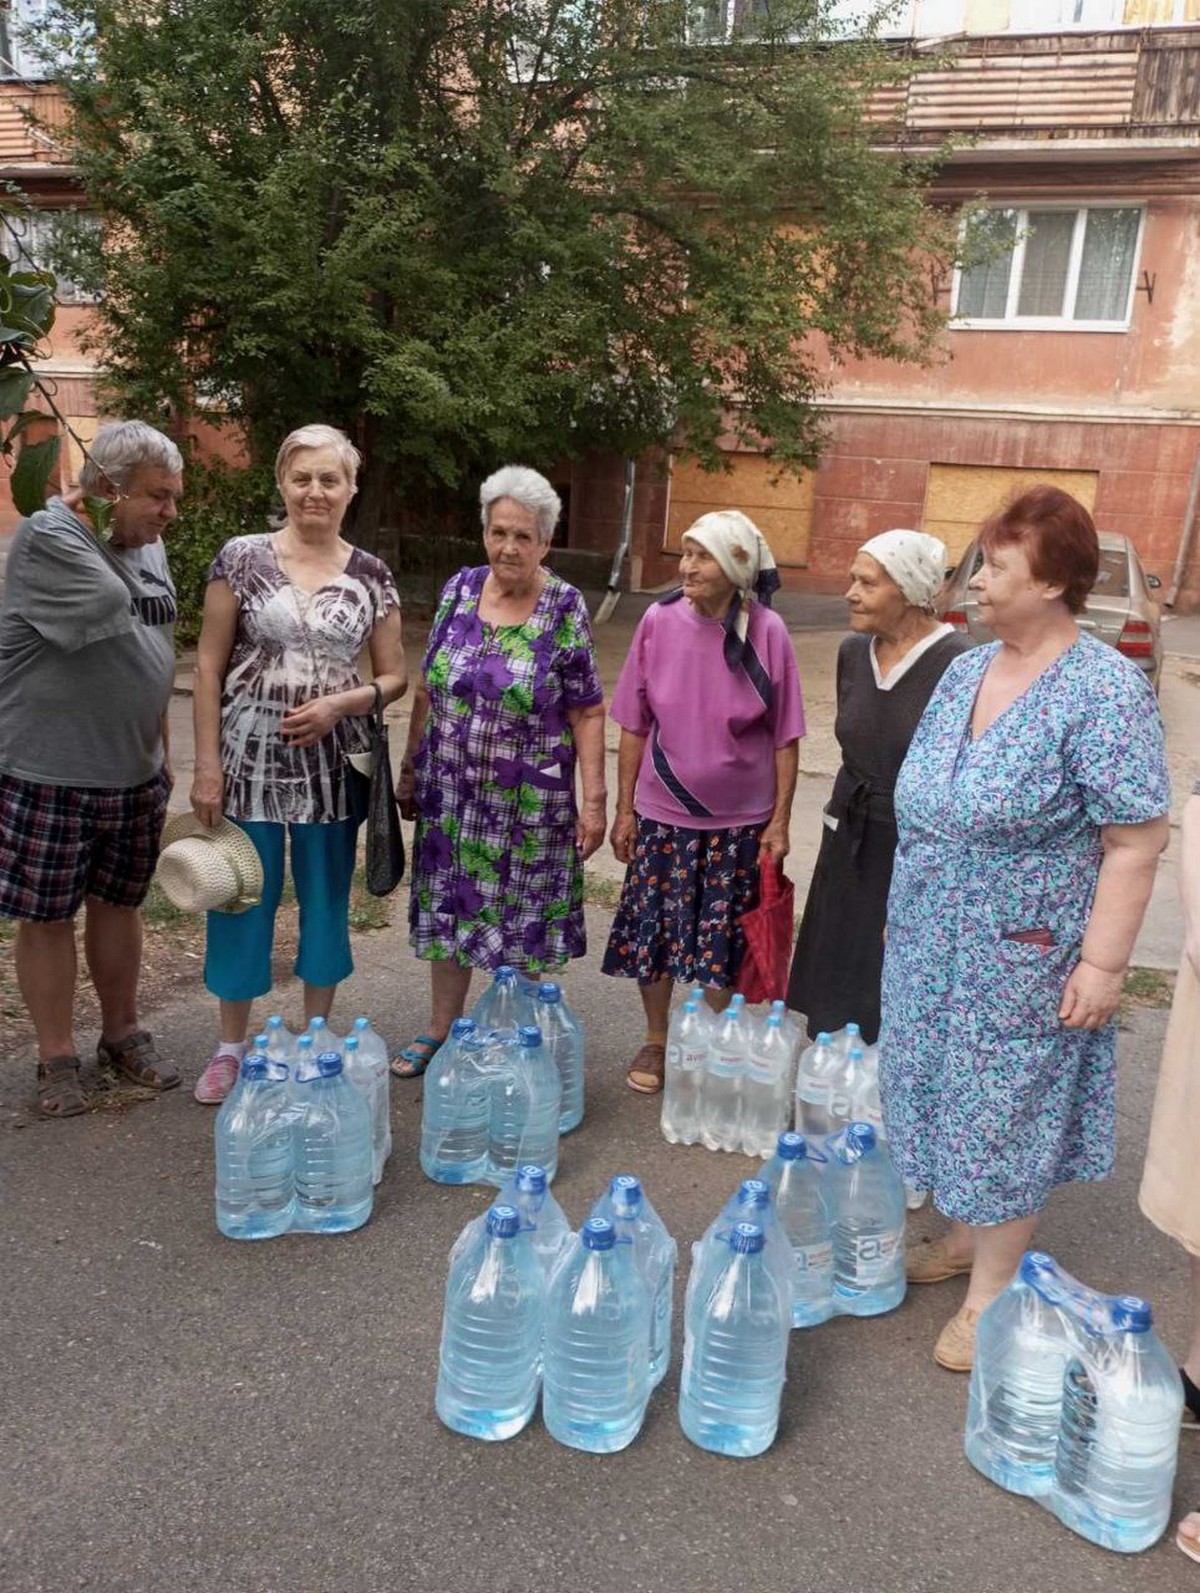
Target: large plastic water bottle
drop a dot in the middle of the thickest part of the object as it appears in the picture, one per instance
(801, 1206)
(766, 1088)
(846, 1082)
(721, 1114)
(456, 1108)
(488, 1368)
(325, 1041)
(817, 1063)
(373, 1048)
(281, 1042)
(304, 1065)
(359, 1071)
(507, 1004)
(735, 1351)
(866, 1203)
(596, 1360)
(525, 1107)
(687, 1056)
(846, 1037)
(754, 1202)
(562, 1035)
(255, 1191)
(627, 1207)
(866, 1106)
(541, 1215)
(333, 1156)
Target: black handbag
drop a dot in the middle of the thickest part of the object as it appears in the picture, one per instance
(384, 840)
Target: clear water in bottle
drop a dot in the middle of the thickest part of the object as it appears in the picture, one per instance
(754, 1202)
(816, 1065)
(507, 1004)
(541, 1215)
(374, 1049)
(281, 1042)
(305, 1064)
(456, 1108)
(766, 1088)
(324, 1041)
(628, 1208)
(596, 1360)
(735, 1351)
(803, 1212)
(866, 1203)
(562, 1035)
(333, 1156)
(526, 1104)
(255, 1188)
(721, 1111)
(847, 1036)
(846, 1082)
(488, 1368)
(687, 1056)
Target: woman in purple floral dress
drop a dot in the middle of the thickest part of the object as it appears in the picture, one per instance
(510, 701)
(1031, 811)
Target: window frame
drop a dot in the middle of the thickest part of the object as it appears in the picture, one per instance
(33, 229)
(1012, 322)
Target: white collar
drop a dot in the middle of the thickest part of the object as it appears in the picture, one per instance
(898, 671)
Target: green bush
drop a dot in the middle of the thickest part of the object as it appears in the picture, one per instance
(219, 503)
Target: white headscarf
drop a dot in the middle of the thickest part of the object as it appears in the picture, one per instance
(915, 561)
(741, 550)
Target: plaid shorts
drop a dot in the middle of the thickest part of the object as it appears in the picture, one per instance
(60, 843)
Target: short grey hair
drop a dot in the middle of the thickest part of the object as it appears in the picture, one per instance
(318, 436)
(526, 487)
(122, 448)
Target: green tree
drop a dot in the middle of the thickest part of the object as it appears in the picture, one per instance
(476, 230)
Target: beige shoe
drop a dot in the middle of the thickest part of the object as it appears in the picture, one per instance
(931, 1262)
(955, 1347)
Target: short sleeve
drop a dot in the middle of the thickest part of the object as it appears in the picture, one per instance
(68, 595)
(229, 565)
(581, 684)
(1116, 753)
(630, 706)
(381, 587)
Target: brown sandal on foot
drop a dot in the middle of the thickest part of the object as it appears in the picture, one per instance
(135, 1058)
(60, 1090)
(647, 1069)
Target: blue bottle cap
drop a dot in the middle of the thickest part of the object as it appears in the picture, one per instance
(598, 1233)
(1131, 1314)
(254, 1067)
(549, 991)
(304, 1040)
(503, 1222)
(746, 1238)
(824, 1038)
(861, 1136)
(529, 1034)
(853, 1029)
(350, 1043)
(261, 1042)
(754, 1192)
(1035, 1265)
(315, 1025)
(462, 1026)
(275, 1022)
(531, 1179)
(504, 973)
(329, 1064)
(792, 1147)
(625, 1192)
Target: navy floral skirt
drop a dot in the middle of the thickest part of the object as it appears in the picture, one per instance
(683, 897)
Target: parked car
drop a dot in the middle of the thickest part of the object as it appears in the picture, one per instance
(1121, 608)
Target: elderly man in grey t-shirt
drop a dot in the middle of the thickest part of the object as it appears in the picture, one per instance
(87, 662)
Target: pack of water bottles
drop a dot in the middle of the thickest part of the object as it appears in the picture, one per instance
(507, 1082)
(582, 1319)
(728, 1081)
(302, 1138)
(1075, 1402)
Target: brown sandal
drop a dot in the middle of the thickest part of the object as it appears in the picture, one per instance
(136, 1059)
(60, 1090)
(647, 1069)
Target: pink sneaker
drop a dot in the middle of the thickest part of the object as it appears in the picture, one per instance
(218, 1078)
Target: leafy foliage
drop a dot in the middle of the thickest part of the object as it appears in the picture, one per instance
(26, 317)
(221, 503)
(476, 230)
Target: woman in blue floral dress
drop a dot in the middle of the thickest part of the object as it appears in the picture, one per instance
(1031, 811)
(509, 703)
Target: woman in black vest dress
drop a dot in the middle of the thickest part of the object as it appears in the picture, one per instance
(886, 672)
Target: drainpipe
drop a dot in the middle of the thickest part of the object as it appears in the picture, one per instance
(1186, 538)
(609, 602)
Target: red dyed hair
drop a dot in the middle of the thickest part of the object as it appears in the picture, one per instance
(1058, 536)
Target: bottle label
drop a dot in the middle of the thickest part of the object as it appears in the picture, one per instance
(840, 1105)
(814, 1258)
(813, 1093)
(874, 1255)
(727, 1062)
(693, 1057)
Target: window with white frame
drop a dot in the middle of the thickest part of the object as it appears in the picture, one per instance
(31, 240)
(1049, 267)
(25, 26)
(1046, 16)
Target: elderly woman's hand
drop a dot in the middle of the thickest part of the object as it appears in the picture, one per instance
(406, 789)
(311, 722)
(623, 836)
(1090, 997)
(590, 826)
(775, 840)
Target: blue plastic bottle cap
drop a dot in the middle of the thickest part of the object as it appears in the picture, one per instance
(549, 991)
(531, 1179)
(853, 1028)
(824, 1038)
(505, 972)
(598, 1234)
(754, 1192)
(275, 1022)
(329, 1064)
(1131, 1314)
(254, 1067)
(792, 1147)
(350, 1043)
(861, 1136)
(503, 1222)
(746, 1238)
(462, 1026)
(305, 1040)
(362, 1023)
(1035, 1265)
(529, 1034)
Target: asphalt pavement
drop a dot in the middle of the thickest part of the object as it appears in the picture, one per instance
(185, 1413)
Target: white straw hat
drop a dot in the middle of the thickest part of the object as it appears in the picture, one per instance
(209, 871)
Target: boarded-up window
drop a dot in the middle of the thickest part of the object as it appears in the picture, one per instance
(958, 498)
(779, 505)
